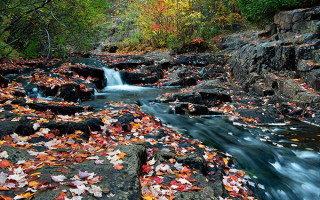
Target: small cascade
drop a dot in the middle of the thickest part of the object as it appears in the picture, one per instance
(113, 77)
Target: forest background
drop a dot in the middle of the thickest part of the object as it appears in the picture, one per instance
(56, 28)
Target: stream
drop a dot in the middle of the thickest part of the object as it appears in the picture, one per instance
(281, 169)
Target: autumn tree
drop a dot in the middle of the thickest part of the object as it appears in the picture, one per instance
(49, 26)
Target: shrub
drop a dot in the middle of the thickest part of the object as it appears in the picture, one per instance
(261, 11)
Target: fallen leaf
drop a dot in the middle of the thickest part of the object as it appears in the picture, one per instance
(62, 196)
(58, 178)
(34, 184)
(4, 188)
(118, 166)
(4, 164)
(2, 197)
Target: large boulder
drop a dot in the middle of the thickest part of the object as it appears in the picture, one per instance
(296, 20)
(94, 72)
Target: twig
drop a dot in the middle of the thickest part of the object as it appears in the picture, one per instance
(49, 46)
(9, 43)
(56, 18)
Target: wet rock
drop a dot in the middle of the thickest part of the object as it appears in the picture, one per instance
(38, 139)
(9, 71)
(312, 78)
(113, 49)
(15, 154)
(189, 81)
(304, 52)
(19, 93)
(25, 129)
(307, 65)
(262, 90)
(215, 96)
(126, 186)
(93, 72)
(195, 161)
(181, 108)
(271, 81)
(70, 92)
(261, 115)
(192, 97)
(159, 134)
(94, 124)
(231, 43)
(296, 20)
(199, 60)
(138, 78)
(305, 38)
(199, 110)
(295, 92)
(125, 121)
(4, 82)
(8, 127)
(132, 62)
(63, 110)
(48, 91)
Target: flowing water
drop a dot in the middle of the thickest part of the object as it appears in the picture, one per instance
(279, 172)
(281, 169)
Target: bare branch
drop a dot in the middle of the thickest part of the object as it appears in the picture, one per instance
(29, 11)
(9, 43)
(49, 46)
(56, 18)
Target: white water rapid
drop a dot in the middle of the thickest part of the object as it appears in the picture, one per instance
(113, 77)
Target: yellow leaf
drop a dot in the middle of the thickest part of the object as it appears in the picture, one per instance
(148, 196)
(295, 140)
(225, 161)
(34, 184)
(26, 195)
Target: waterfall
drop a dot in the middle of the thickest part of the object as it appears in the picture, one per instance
(113, 77)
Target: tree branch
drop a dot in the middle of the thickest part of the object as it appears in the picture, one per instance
(49, 46)
(9, 43)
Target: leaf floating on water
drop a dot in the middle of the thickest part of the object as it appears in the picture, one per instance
(295, 140)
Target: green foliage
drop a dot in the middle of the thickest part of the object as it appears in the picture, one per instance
(40, 27)
(260, 11)
(176, 23)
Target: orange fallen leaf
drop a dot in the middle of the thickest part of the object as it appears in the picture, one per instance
(62, 196)
(118, 166)
(34, 184)
(64, 171)
(228, 188)
(4, 188)
(2, 197)
(196, 188)
(295, 140)
(4, 164)
(172, 160)
(148, 196)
